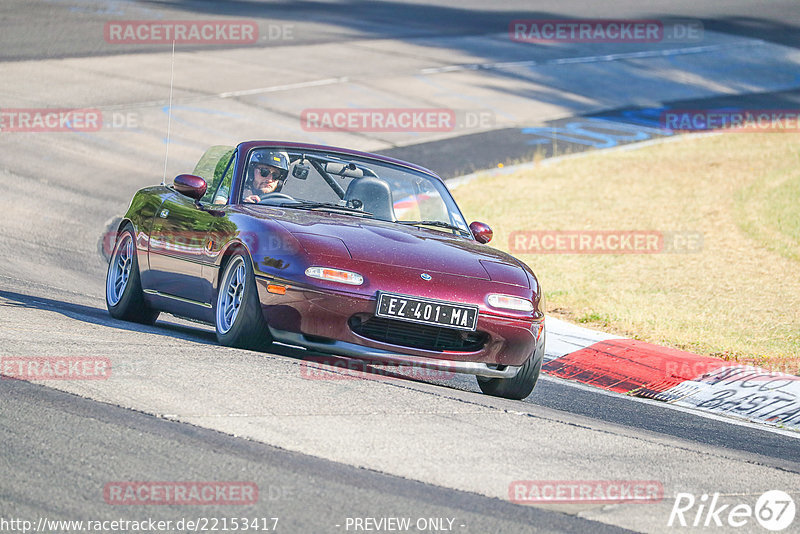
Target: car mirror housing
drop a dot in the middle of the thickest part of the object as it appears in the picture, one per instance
(481, 232)
(190, 185)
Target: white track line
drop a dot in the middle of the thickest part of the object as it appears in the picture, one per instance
(458, 68)
(287, 87)
(590, 59)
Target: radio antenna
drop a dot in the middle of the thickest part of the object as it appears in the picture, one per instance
(169, 112)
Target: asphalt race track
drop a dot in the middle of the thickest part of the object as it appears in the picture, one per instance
(112, 441)
(323, 448)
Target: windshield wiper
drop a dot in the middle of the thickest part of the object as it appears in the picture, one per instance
(439, 224)
(309, 205)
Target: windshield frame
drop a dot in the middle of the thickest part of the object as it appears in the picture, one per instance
(320, 154)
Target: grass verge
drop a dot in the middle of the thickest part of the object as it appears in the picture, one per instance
(737, 297)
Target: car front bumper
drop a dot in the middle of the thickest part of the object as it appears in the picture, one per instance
(351, 350)
(318, 319)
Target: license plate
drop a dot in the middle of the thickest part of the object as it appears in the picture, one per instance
(427, 311)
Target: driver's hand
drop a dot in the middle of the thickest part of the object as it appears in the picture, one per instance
(253, 199)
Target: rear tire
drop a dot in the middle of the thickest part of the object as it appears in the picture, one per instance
(124, 296)
(238, 318)
(520, 386)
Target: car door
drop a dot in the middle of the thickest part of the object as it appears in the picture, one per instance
(182, 243)
(187, 237)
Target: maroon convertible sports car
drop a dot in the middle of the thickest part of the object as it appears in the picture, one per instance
(337, 251)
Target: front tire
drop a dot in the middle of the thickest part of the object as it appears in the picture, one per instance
(238, 318)
(520, 386)
(124, 296)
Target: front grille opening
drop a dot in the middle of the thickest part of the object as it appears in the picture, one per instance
(415, 335)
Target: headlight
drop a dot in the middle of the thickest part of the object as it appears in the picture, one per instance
(509, 302)
(335, 275)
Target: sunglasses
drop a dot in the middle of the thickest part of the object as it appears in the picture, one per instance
(265, 171)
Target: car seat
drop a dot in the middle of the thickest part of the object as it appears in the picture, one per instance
(375, 194)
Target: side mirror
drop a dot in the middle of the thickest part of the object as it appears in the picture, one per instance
(190, 185)
(481, 232)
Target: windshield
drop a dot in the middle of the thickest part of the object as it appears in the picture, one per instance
(351, 185)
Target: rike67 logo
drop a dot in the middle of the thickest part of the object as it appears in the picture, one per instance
(774, 510)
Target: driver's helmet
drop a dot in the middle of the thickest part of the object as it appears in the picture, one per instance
(273, 158)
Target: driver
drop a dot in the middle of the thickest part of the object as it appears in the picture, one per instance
(266, 174)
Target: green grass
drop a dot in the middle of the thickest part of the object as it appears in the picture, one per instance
(737, 298)
(767, 210)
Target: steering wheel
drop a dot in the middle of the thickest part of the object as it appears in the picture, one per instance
(275, 195)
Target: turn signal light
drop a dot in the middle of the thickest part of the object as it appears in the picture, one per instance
(278, 290)
(537, 329)
(335, 275)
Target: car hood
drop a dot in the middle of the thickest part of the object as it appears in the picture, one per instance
(369, 240)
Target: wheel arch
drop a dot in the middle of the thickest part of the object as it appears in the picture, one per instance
(225, 256)
(124, 221)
